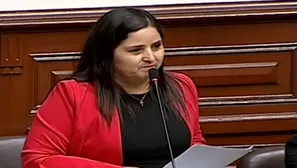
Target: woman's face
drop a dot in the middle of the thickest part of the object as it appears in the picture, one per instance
(141, 51)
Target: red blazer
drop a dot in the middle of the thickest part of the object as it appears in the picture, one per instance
(68, 131)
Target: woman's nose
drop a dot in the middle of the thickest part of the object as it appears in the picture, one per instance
(149, 55)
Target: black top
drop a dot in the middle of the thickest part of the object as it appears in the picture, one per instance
(143, 137)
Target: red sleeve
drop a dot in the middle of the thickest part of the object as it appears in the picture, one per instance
(197, 137)
(50, 133)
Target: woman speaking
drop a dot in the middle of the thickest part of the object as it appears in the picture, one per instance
(106, 115)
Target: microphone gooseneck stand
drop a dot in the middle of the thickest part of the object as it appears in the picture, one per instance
(154, 77)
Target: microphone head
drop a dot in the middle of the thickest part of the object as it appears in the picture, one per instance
(154, 74)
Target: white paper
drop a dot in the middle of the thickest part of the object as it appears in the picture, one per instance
(203, 156)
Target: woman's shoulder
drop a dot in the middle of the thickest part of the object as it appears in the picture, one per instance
(186, 83)
(183, 79)
(72, 86)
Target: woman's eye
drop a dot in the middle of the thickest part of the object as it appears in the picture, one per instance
(136, 51)
(156, 47)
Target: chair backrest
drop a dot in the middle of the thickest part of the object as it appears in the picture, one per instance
(267, 157)
(10, 152)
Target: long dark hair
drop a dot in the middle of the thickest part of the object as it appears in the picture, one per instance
(96, 63)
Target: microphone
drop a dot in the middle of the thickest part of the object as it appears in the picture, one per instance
(154, 78)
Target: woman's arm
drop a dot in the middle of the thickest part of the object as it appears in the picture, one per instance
(192, 94)
(47, 143)
(291, 152)
(198, 138)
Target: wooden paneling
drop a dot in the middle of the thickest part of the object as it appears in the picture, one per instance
(242, 59)
(255, 69)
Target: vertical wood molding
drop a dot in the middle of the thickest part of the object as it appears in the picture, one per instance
(11, 59)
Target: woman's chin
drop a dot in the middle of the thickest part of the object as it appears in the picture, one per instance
(143, 74)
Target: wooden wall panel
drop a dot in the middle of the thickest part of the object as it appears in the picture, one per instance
(229, 107)
(43, 79)
(243, 63)
(221, 73)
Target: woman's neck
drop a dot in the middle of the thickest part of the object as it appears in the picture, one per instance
(134, 86)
